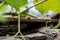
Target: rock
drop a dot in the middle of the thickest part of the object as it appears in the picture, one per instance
(49, 33)
(35, 36)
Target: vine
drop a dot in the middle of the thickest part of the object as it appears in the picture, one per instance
(57, 26)
(19, 28)
(19, 32)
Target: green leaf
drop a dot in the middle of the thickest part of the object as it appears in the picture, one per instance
(3, 8)
(16, 3)
(53, 5)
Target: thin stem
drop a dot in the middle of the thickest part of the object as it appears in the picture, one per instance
(19, 30)
(47, 23)
(57, 26)
(18, 22)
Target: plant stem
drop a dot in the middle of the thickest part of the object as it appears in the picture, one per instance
(18, 22)
(35, 5)
(57, 26)
(19, 28)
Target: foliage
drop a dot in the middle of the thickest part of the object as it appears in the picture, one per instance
(53, 5)
(43, 8)
(15, 3)
(3, 8)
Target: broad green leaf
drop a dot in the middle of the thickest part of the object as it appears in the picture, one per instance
(16, 3)
(54, 5)
(48, 5)
(41, 7)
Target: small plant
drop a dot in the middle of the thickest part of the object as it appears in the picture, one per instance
(42, 6)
